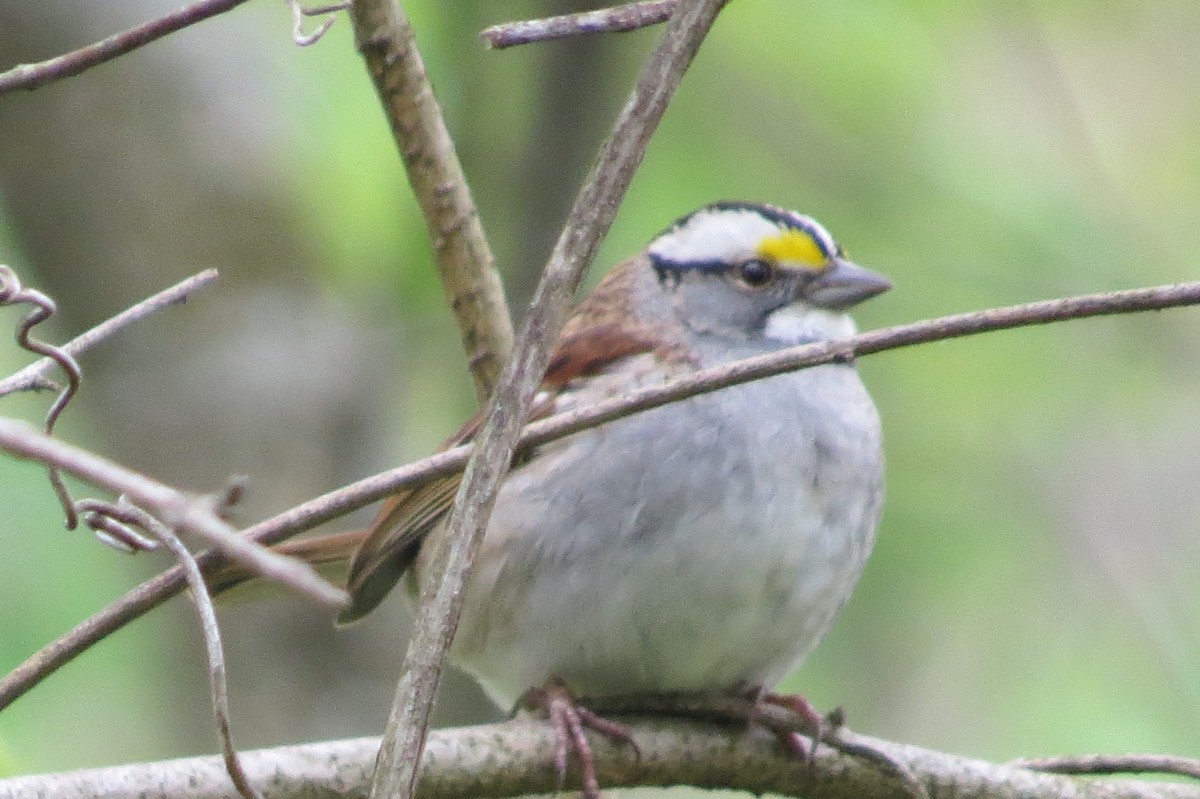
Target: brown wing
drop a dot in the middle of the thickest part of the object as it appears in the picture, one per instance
(394, 538)
(592, 341)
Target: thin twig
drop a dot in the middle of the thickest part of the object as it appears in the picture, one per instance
(514, 758)
(1114, 764)
(618, 19)
(333, 504)
(12, 292)
(179, 511)
(32, 376)
(465, 264)
(299, 13)
(595, 207)
(31, 76)
(109, 529)
(130, 515)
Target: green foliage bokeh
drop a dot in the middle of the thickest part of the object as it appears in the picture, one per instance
(1035, 588)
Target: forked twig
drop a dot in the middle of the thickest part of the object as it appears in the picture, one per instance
(32, 376)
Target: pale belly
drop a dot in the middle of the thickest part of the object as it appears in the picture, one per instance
(679, 551)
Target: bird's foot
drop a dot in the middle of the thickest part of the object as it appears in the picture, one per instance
(570, 720)
(816, 726)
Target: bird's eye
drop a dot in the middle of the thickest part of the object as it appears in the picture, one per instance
(756, 273)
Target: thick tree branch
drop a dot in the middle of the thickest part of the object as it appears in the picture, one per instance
(516, 758)
(333, 504)
(590, 217)
(464, 260)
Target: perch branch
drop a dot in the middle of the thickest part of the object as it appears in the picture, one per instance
(590, 217)
(619, 19)
(331, 505)
(516, 758)
(464, 260)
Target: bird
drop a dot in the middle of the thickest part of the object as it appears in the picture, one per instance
(701, 546)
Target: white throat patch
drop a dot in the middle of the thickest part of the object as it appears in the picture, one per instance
(801, 325)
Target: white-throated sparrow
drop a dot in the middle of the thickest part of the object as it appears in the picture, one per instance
(704, 545)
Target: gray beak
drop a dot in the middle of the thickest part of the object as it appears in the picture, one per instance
(842, 285)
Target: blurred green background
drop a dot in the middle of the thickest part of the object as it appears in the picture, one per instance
(1036, 587)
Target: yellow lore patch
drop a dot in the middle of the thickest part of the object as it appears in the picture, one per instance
(793, 245)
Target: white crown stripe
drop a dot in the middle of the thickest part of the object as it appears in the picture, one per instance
(724, 233)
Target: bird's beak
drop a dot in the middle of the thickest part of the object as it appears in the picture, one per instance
(843, 284)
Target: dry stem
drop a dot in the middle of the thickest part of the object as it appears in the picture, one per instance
(177, 510)
(31, 76)
(464, 260)
(618, 19)
(31, 376)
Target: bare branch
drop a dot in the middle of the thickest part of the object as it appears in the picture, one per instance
(1114, 764)
(32, 376)
(31, 76)
(618, 19)
(129, 516)
(516, 758)
(178, 511)
(333, 504)
(590, 217)
(464, 259)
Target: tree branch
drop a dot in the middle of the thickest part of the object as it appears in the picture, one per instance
(516, 758)
(333, 504)
(593, 212)
(31, 76)
(32, 376)
(618, 19)
(465, 263)
(178, 511)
